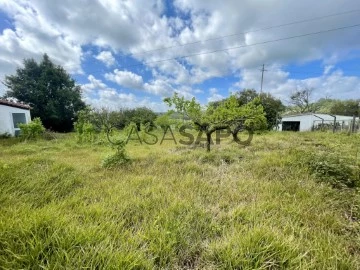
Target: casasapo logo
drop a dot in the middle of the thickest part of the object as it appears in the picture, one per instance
(188, 136)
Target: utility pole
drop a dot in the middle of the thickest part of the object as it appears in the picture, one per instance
(262, 77)
(359, 116)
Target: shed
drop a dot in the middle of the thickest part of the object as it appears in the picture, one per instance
(11, 115)
(311, 121)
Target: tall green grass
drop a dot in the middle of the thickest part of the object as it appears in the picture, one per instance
(265, 206)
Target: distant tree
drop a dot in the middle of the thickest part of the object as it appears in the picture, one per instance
(139, 116)
(50, 90)
(164, 120)
(324, 105)
(246, 95)
(273, 107)
(346, 107)
(301, 101)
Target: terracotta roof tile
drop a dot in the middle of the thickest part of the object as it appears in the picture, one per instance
(13, 104)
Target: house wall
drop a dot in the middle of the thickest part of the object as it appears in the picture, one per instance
(6, 120)
(307, 120)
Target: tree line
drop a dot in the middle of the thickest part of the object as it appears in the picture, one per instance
(56, 99)
(302, 102)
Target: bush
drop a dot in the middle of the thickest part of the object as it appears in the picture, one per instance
(332, 170)
(118, 159)
(84, 127)
(32, 130)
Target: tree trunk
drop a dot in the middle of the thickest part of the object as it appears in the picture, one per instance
(208, 141)
(234, 135)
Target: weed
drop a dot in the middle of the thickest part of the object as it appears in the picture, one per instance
(254, 207)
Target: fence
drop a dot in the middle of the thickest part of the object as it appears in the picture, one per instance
(350, 126)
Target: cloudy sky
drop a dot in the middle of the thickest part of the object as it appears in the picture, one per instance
(135, 52)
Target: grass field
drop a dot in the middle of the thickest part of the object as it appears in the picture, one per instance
(270, 205)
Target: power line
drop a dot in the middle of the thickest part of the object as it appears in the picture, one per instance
(246, 45)
(242, 33)
(251, 31)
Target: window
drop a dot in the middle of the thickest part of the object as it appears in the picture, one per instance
(18, 118)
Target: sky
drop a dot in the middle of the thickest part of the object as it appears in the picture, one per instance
(133, 53)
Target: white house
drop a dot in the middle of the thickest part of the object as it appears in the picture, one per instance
(311, 121)
(12, 114)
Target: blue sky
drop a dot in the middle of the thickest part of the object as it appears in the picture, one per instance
(116, 49)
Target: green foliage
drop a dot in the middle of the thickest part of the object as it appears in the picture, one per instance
(329, 106)
(32, 130)
(324, 105)
(118, 119)
(129, 129)
(140, 116)
(346, 107)
(180, 103)
(84, 127)
(333, 170)
(165, 120)
(273, 107)
(49, 89)
(227, 114)
(118, 159)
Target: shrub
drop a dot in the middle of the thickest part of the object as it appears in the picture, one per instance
(32, 130)
(118, 159)
(84, 128)
(332, 170)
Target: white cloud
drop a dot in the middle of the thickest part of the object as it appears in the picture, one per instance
(93, 85)
(126, 79)
(117, 28)
(32, 37)
(106, 57)
(214, 95)
(277, 82)
(160, 87)
(328, 68)
(99, 95)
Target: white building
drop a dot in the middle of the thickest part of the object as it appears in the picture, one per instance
(12, 114)
(311, 121)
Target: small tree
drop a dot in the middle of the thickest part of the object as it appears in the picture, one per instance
(273, 107)
(229, 114)
(105, 119)
(180, 104)
(84, 126)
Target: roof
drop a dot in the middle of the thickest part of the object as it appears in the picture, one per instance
(13, 104)
(320, 115)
